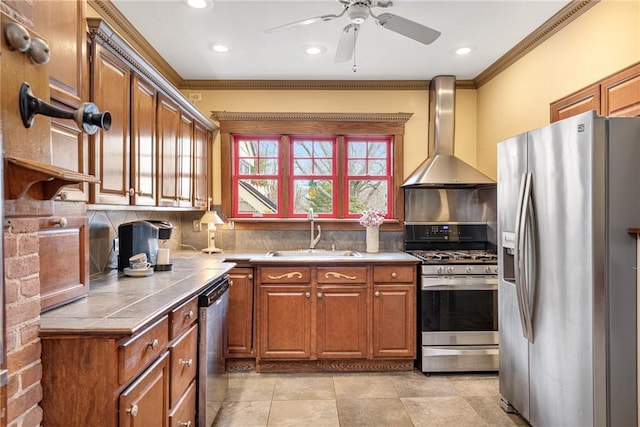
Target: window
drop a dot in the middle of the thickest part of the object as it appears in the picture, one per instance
(277, 166)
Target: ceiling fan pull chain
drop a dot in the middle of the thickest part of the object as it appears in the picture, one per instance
(355, 36)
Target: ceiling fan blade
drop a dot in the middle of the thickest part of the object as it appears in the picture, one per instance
(408, 28)
(306, 21)
(346, 45)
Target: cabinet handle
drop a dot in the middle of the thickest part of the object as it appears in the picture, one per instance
(319, 294)
(133, 410)
(186, 424)
(63, 222)
(336, 275)
(377, 293)
(186, 363)
(250, 277)
(394, 275)
(154, 344)
(307, 294)
(286, 275)
(189, 314)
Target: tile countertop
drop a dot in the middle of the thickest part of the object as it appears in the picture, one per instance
(121, 305)
(255, 257)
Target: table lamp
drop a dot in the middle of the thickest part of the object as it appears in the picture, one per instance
(212, 219)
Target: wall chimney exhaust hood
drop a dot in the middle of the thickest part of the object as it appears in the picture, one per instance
(443, 168)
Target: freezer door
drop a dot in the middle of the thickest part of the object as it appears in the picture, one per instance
(561, 160)
(513, 353)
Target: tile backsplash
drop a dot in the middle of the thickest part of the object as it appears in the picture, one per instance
(103, 228)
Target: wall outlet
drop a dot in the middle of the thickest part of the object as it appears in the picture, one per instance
(195, 96)
(196, 225)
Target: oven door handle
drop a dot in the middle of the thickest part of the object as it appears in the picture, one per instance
(466, 284)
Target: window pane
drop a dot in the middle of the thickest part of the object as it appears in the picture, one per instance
(302, 149)
(365, 194)
(257, 196)
(316, 194)
(268, 167)
(323, 149)
(322, 167)
(377, 167)
(378, 150)
(248, 148)
(268, 149)
(357, 167)
(357, 149)
(302, 167)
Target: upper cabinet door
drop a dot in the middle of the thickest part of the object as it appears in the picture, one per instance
(585, 100)
(621, 93)
(143, 142)
(201, 175)
(111, 92)
(185, 161)
(168, 133)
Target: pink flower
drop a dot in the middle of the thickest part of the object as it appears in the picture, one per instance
(372, 218)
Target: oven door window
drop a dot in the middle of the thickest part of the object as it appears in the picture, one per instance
(459, 310)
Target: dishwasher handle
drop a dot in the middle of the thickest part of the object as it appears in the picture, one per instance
(214, 291)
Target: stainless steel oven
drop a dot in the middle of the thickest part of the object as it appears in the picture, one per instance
(458, 299)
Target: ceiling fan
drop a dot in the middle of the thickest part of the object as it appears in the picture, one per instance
(358, 11)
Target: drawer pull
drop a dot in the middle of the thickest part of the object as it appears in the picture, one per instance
(336, 275)
(186, 424)
(154, 344)
(319, 294)
(133, 410)
(189, 314)
(307, 294)
(250, 277)
(186, 363)
(377, 293)
(286, 275)
(394, 275)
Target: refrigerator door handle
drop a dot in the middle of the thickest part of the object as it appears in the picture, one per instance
(518, 248)
(523, 249)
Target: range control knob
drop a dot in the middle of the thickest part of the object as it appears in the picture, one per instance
(440, 270)
(450, 270)
(469, 269)
(488, 270)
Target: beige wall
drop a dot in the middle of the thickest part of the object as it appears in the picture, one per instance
(347, 101)
(605, 39)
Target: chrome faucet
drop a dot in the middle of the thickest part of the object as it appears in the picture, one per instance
(314, 240)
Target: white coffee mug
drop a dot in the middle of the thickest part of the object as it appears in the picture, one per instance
(139, 265)
(137, 258)
(163, 256)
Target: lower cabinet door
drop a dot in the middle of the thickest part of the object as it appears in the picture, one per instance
(184, 357)
(145, 403)
(184, 414)
(394, 321)
(342, 322)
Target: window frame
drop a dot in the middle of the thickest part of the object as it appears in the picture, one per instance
(338, 124)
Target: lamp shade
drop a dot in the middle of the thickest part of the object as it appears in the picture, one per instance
(211, 217)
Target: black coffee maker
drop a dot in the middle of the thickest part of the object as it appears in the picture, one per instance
(137, 237)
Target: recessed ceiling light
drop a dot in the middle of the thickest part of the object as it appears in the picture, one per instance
(463, 50)
(314, 49)
(200, 4)
(218, 47)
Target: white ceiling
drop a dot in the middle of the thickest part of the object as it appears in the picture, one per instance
(181, 35)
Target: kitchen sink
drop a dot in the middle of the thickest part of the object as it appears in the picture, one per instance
(314, 253)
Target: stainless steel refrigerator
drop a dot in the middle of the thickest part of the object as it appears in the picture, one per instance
(567, 194)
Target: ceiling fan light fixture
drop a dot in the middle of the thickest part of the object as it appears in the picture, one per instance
(358, 13)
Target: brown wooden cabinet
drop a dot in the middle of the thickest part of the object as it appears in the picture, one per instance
(359, 313)
(143, 142)
(616, 95)
(240, 314)
(202, 140)
(168, 138)
(64, 263)
(145, 402)
(342, 314)
(185, 161)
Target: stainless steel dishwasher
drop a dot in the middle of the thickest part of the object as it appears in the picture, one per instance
(212, 379)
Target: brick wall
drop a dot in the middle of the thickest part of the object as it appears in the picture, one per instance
(22, 314)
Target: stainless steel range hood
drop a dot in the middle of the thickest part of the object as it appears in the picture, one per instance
(443, 168)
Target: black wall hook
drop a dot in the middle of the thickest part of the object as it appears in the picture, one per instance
(88, 117)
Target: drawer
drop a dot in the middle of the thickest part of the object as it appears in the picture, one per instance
(283, 275)
(394, 273)
(184, 356)
(184, 414)
(182, 317)
(138, 352)
(342, 275)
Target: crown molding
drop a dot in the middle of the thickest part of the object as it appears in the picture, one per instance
(318, 117)
(554, 24)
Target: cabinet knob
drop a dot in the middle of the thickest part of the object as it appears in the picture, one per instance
(133, 410)
(230, 282)
(185, 424)
(132, 192)
(186, 363)
(63, 195)
(377, 293)
(189, 314)
(307, 294)
(250, 277)
(154, 344)
(63, 222)
(394, 275)
(319, 294)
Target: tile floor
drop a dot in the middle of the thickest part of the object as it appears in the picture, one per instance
(392, 399)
